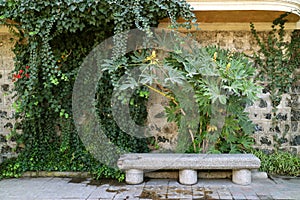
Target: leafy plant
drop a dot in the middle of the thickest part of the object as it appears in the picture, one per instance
(222, 90)
(279, 162)
(223, 85)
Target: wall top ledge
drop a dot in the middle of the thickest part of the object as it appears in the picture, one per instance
(267, 5)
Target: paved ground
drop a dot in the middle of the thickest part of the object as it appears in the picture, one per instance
(67, 189)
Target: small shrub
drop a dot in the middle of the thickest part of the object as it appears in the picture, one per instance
(279, 162)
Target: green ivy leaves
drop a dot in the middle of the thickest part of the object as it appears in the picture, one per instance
(277, 59)
(53, 39)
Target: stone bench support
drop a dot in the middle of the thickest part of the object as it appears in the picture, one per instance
(136, 164)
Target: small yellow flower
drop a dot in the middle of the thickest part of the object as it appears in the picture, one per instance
(152, 58)
(215, 56)
(211, 128)
(228, 66)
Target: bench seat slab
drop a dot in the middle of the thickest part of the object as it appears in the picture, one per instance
(157, 161)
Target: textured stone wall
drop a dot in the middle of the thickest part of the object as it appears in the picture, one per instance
(284, 131)
(242, 41)
(6, 96)
(165, 133)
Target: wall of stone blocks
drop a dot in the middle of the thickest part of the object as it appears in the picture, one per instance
(7, 121)
(284, 131)
(242, 41)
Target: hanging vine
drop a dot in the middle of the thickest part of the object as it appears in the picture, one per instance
(53, 38)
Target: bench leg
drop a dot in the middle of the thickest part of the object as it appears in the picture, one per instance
(188, 176)
(241, 177)
(134, 176)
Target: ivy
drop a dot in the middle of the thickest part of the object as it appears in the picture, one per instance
(277, 59)
(53, 37)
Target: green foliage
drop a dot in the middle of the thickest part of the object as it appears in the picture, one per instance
(277, 59)
(279, 162)
(223, 87)
(53, 39)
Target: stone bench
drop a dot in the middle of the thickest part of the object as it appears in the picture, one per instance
(136, 164)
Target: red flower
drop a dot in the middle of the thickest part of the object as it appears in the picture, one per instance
(21, 71)
(27, 75)
(18, 76)
(27, 67)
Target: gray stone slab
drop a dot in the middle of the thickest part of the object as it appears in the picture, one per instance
(180, 192)
(237, 193)
(252, 197)
(129, 192)
(280, 195)
(157, 182)
(264, 197)
(214, 183)
(155, 161)
(52, 189)
(103, 193)
(224, 193)
(239, 196)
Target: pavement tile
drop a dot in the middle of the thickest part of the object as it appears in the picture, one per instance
(252, 197)
(280, 196)
(238, 195)
(264, 197)
(62, 189)
(157, 182)
(103, 193)
(224, 194)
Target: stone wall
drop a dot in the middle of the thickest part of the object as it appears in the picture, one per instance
(242, 41)
(6, 96)
(284, 131)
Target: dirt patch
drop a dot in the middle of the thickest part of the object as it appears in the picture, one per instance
(118, 191)
(77, 180)
(111, 182)
(206, 194)
(151, 195)
(187, 192)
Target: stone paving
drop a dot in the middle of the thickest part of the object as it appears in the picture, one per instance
(153, 189)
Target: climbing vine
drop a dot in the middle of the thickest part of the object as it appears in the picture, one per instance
(277, 59)
(53, 37)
